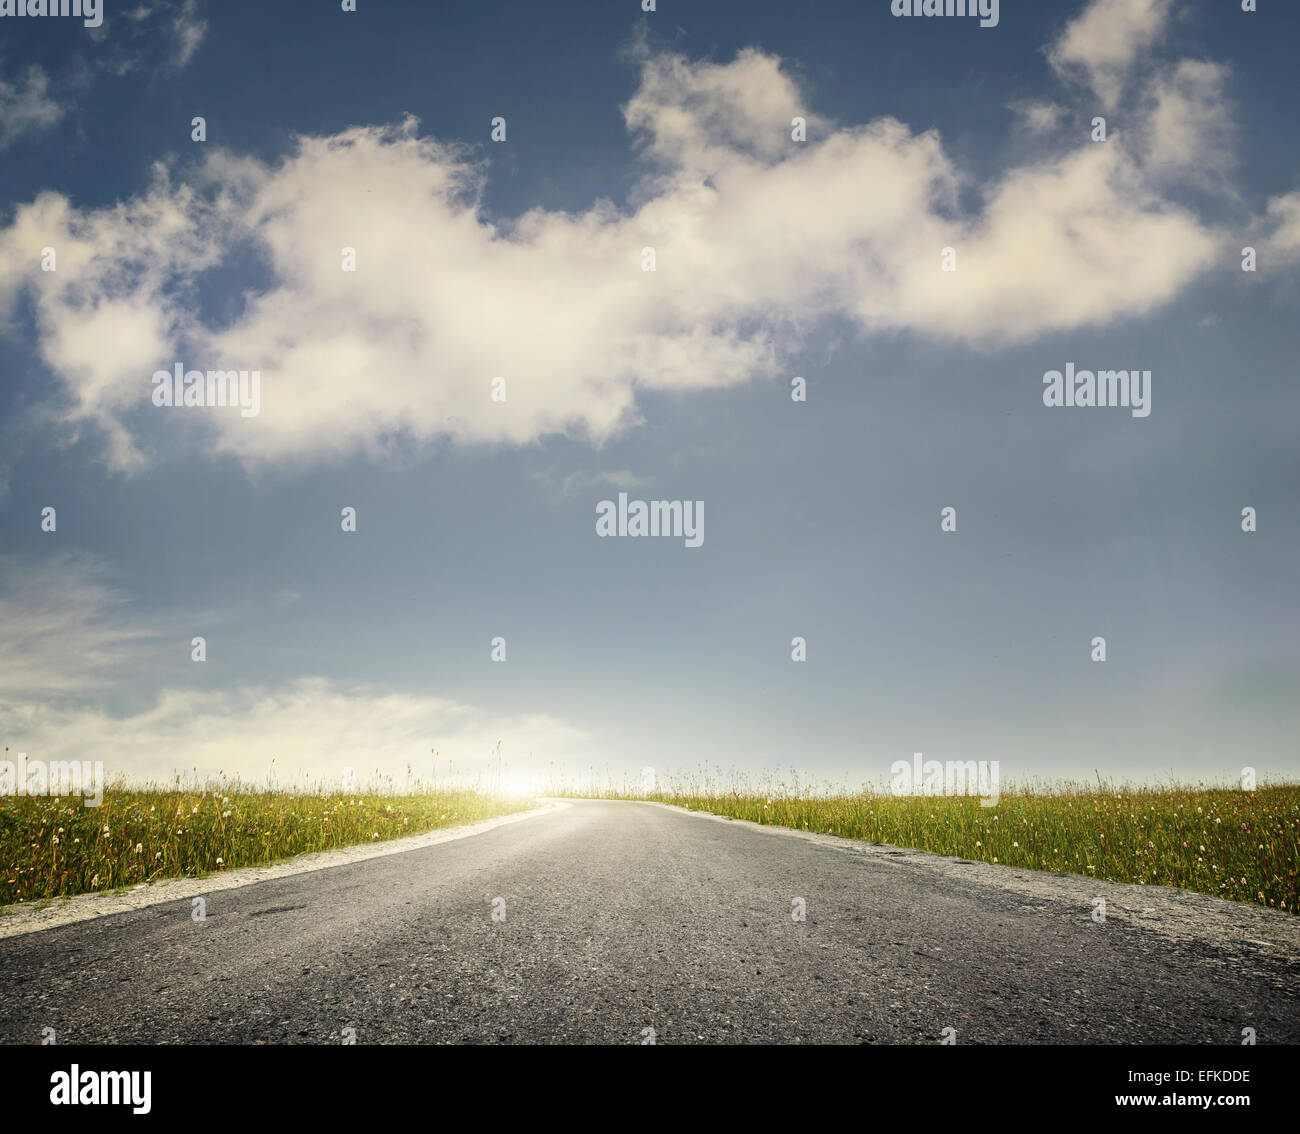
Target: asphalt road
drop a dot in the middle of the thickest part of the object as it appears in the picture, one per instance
(620, 917)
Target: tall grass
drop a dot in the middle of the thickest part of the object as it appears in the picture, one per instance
(58, 847)
(1232, 843)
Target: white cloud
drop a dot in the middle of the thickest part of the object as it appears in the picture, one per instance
(66, 629)
(1036, 115)
(163, 36)
(758, 239)
(1187, 134)
(308, 730)
(1282, 225)
(1103, 44)
(696, 117)
(26, 108)
(108, 315)
(188, 28)
(71, 639)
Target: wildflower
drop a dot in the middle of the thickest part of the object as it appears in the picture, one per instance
(139, 847)
(219, 861)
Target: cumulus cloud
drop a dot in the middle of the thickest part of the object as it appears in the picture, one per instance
(757, 240)
(109, 314)
(1103, 43)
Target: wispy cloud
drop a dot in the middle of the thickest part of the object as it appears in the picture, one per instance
(67, 628)
(162, 35)
(26, 108)
(72, 638)
(308, 729)
(565, 487)
(189, 29)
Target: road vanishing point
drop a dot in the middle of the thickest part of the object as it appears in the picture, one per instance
(624, 923)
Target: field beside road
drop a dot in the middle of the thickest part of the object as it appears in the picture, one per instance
(52, 848)
(1230, 843)
(1242, 845)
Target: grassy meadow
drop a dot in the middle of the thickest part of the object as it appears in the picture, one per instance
(52, 848)
(1242, 845)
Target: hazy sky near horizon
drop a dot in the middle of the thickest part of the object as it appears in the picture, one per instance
(774, 259)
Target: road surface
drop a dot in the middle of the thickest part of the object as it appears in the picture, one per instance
(624, 917)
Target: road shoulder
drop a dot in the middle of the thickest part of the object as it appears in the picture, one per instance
(33, 917)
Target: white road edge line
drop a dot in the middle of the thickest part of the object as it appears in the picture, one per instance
(25, 918)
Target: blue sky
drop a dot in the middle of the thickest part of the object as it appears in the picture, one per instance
(775, 258)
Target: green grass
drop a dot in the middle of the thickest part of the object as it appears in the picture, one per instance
(57, 847)
(1236, 844)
